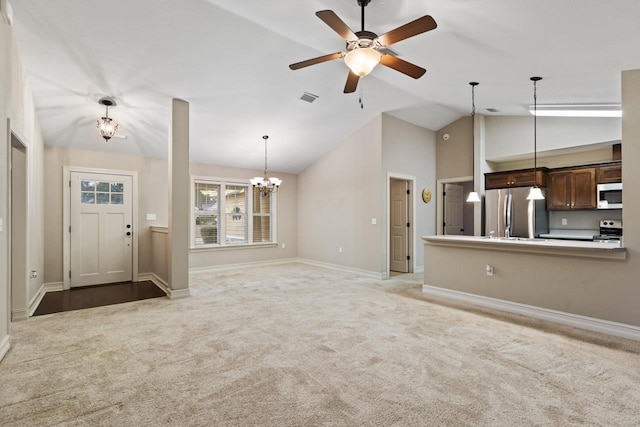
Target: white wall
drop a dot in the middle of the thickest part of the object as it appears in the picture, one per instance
(511, 137)
(408, 149)
(337, 198)
(16, 104)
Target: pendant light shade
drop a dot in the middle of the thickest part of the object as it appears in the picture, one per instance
(361, 61)
(535, 193)
(474, 197)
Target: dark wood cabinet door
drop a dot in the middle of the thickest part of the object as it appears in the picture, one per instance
(559, 191)
(609, 174)
(583, 188)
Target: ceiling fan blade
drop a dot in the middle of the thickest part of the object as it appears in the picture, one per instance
(413, 28)
(317, 60)
(331, 19)
(352, 82)
(403, 66)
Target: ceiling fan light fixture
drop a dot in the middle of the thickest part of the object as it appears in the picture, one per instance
(361, 61)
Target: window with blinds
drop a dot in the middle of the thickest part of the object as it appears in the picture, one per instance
(230, 214)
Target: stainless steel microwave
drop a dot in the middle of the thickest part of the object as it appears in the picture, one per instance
(610, 196)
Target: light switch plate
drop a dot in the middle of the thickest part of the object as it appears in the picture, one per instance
(151, 217)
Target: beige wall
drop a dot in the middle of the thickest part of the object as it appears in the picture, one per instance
(16, 104)
(408, 149)
(604, 289)
(152, 198)
(286, 227)
(337, 198)
(455, 156)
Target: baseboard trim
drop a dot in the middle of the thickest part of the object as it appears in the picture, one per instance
(35, 301)
(44, 288)
(164, 286)
(575, 320)
(157, 280)
(19, 315)
(53, 287)
(367, 273)
(214, 268)
(4, 346)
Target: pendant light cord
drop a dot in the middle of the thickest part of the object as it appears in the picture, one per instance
(265, 137)
(535, 81)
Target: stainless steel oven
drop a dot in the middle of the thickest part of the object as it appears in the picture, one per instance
(610, 196)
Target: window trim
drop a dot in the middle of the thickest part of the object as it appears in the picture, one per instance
(222, 245)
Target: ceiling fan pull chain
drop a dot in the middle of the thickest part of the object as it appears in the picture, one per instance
(361, 96)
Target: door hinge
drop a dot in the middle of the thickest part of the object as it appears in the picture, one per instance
(408, 191)
(69, 229)
(69, 183)
(444, 224)
(444, 193)
(408, 224)
(69, 274)
(408, 257)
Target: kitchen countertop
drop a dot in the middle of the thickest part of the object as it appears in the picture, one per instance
(571, 234)
(579, 248)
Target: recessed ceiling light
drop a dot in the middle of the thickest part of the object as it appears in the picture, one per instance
(578, 110)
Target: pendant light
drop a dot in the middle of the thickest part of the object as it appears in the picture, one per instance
(473, 197)
(265, 184)
(535, 193)
(106, 125)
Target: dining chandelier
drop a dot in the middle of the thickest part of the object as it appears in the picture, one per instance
(265, 184)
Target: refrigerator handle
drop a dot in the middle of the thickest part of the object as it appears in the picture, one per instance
(508, 212)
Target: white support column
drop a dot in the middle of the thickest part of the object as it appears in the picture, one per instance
(179, 201)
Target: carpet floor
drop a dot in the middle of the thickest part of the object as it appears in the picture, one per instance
(297, 345)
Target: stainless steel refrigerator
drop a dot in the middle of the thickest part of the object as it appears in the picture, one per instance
(509, 210)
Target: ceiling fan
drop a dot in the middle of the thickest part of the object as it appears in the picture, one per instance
(365, 49)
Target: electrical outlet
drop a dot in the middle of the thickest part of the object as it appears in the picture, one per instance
(374, 221)
(489, 270)
(339, 249)
(564, 221)
(284, 246)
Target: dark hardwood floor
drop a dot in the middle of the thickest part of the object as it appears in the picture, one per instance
(97, 296)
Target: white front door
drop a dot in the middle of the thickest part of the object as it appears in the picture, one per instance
(101, 228)
(453, 194)
(399, 227)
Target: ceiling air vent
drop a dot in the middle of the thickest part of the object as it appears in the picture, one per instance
(309, 97)
(492, 110)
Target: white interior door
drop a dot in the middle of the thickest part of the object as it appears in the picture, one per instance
(101, 228)
(453, 196)
(399, 231)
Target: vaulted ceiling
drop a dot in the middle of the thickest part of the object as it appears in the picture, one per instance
(229, 59)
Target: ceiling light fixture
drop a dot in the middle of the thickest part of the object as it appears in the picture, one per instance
(535, 193)
(106, 125)
(577, 110)
(473, 197)
(362, 60)
(265, 184)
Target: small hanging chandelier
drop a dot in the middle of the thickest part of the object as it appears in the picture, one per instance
(535, 193)
(265, 184)
(473, 197)
(106, 125)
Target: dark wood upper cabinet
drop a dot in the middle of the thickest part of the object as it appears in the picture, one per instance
(609, 174)
(572, 189)
(517, 178)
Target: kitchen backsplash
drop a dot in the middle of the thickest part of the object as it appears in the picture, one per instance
(582, 220)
